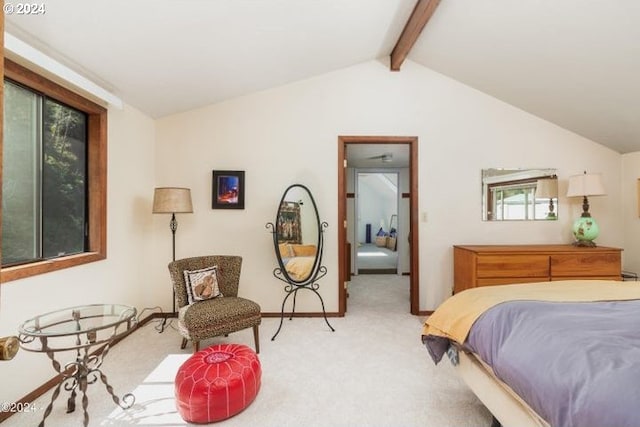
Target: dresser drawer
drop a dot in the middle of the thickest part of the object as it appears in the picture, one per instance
(585, 265)
(557, 278)
(510, 280)
(524, 266)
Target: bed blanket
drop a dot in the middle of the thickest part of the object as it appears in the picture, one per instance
(454, 317)
(575, 364)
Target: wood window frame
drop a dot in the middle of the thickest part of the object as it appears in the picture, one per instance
(96, 174)
(492, 214)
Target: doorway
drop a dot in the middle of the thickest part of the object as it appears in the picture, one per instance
(375, 230)
(407, 195)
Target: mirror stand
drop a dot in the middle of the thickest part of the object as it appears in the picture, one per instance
(310, 283)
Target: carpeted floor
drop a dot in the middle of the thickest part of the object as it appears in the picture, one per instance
(372, 371)
(371, 258)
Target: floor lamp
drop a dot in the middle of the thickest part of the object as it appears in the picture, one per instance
(172, 200)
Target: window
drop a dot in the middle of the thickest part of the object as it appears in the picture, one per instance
(515, 201)
(54, 176)
(44, 185)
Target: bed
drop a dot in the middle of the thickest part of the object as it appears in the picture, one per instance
(298, 259)
(556, 354)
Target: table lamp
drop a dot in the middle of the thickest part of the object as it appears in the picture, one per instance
(585, 228)
(547, 188)
(172, 200)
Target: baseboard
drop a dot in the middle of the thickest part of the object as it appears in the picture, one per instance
(317, 314)
(167, 315)
(377, 271)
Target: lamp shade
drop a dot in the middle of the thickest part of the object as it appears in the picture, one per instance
(172, 200)
(547, 188)
(587, 184)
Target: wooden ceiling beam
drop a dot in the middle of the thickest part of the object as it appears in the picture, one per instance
(415, 24)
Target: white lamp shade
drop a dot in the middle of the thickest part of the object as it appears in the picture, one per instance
(547, 188)
(587, 184)
(172, 200)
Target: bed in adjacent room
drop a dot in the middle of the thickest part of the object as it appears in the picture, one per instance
(298, 259)
(556, 354)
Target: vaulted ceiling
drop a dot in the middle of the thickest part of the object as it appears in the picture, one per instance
(575, 63)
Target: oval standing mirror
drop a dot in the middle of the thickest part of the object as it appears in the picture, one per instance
(297, 237)
(297, 234)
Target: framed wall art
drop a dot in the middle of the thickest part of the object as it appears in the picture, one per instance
(228, 190)
(288, 226)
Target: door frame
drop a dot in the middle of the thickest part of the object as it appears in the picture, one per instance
(414, 274)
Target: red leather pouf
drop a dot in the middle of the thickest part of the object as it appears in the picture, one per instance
(217, 383)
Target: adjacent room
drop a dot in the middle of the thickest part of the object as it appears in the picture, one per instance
(377, 201)
(304, 194)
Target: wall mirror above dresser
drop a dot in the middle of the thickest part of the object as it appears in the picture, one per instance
(519, 194)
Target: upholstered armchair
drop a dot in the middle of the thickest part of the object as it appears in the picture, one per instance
(215, 316)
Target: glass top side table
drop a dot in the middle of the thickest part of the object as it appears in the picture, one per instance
(87, 332)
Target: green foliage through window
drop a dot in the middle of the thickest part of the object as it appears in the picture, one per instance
(44, 187)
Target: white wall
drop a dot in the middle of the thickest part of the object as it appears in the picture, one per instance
(289, 134)
(121, 278)
(631, 211)
(376, 204)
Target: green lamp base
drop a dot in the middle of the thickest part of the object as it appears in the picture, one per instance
(584, 243)
(585, 230)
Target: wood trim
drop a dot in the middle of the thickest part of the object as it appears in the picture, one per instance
(1, 114)
(27, 270)
(414, 277)
(637, 193)
(35, 81)
(342, 226)
(312, 314)
(421, 14)
(96, 175)
(414, 282)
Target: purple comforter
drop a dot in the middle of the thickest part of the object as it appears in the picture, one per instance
(575, 364)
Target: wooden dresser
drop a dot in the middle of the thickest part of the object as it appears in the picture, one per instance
(484, 265)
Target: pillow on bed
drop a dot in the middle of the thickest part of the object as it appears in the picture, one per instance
(285, 250)
(202, 284)
(304, 250)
